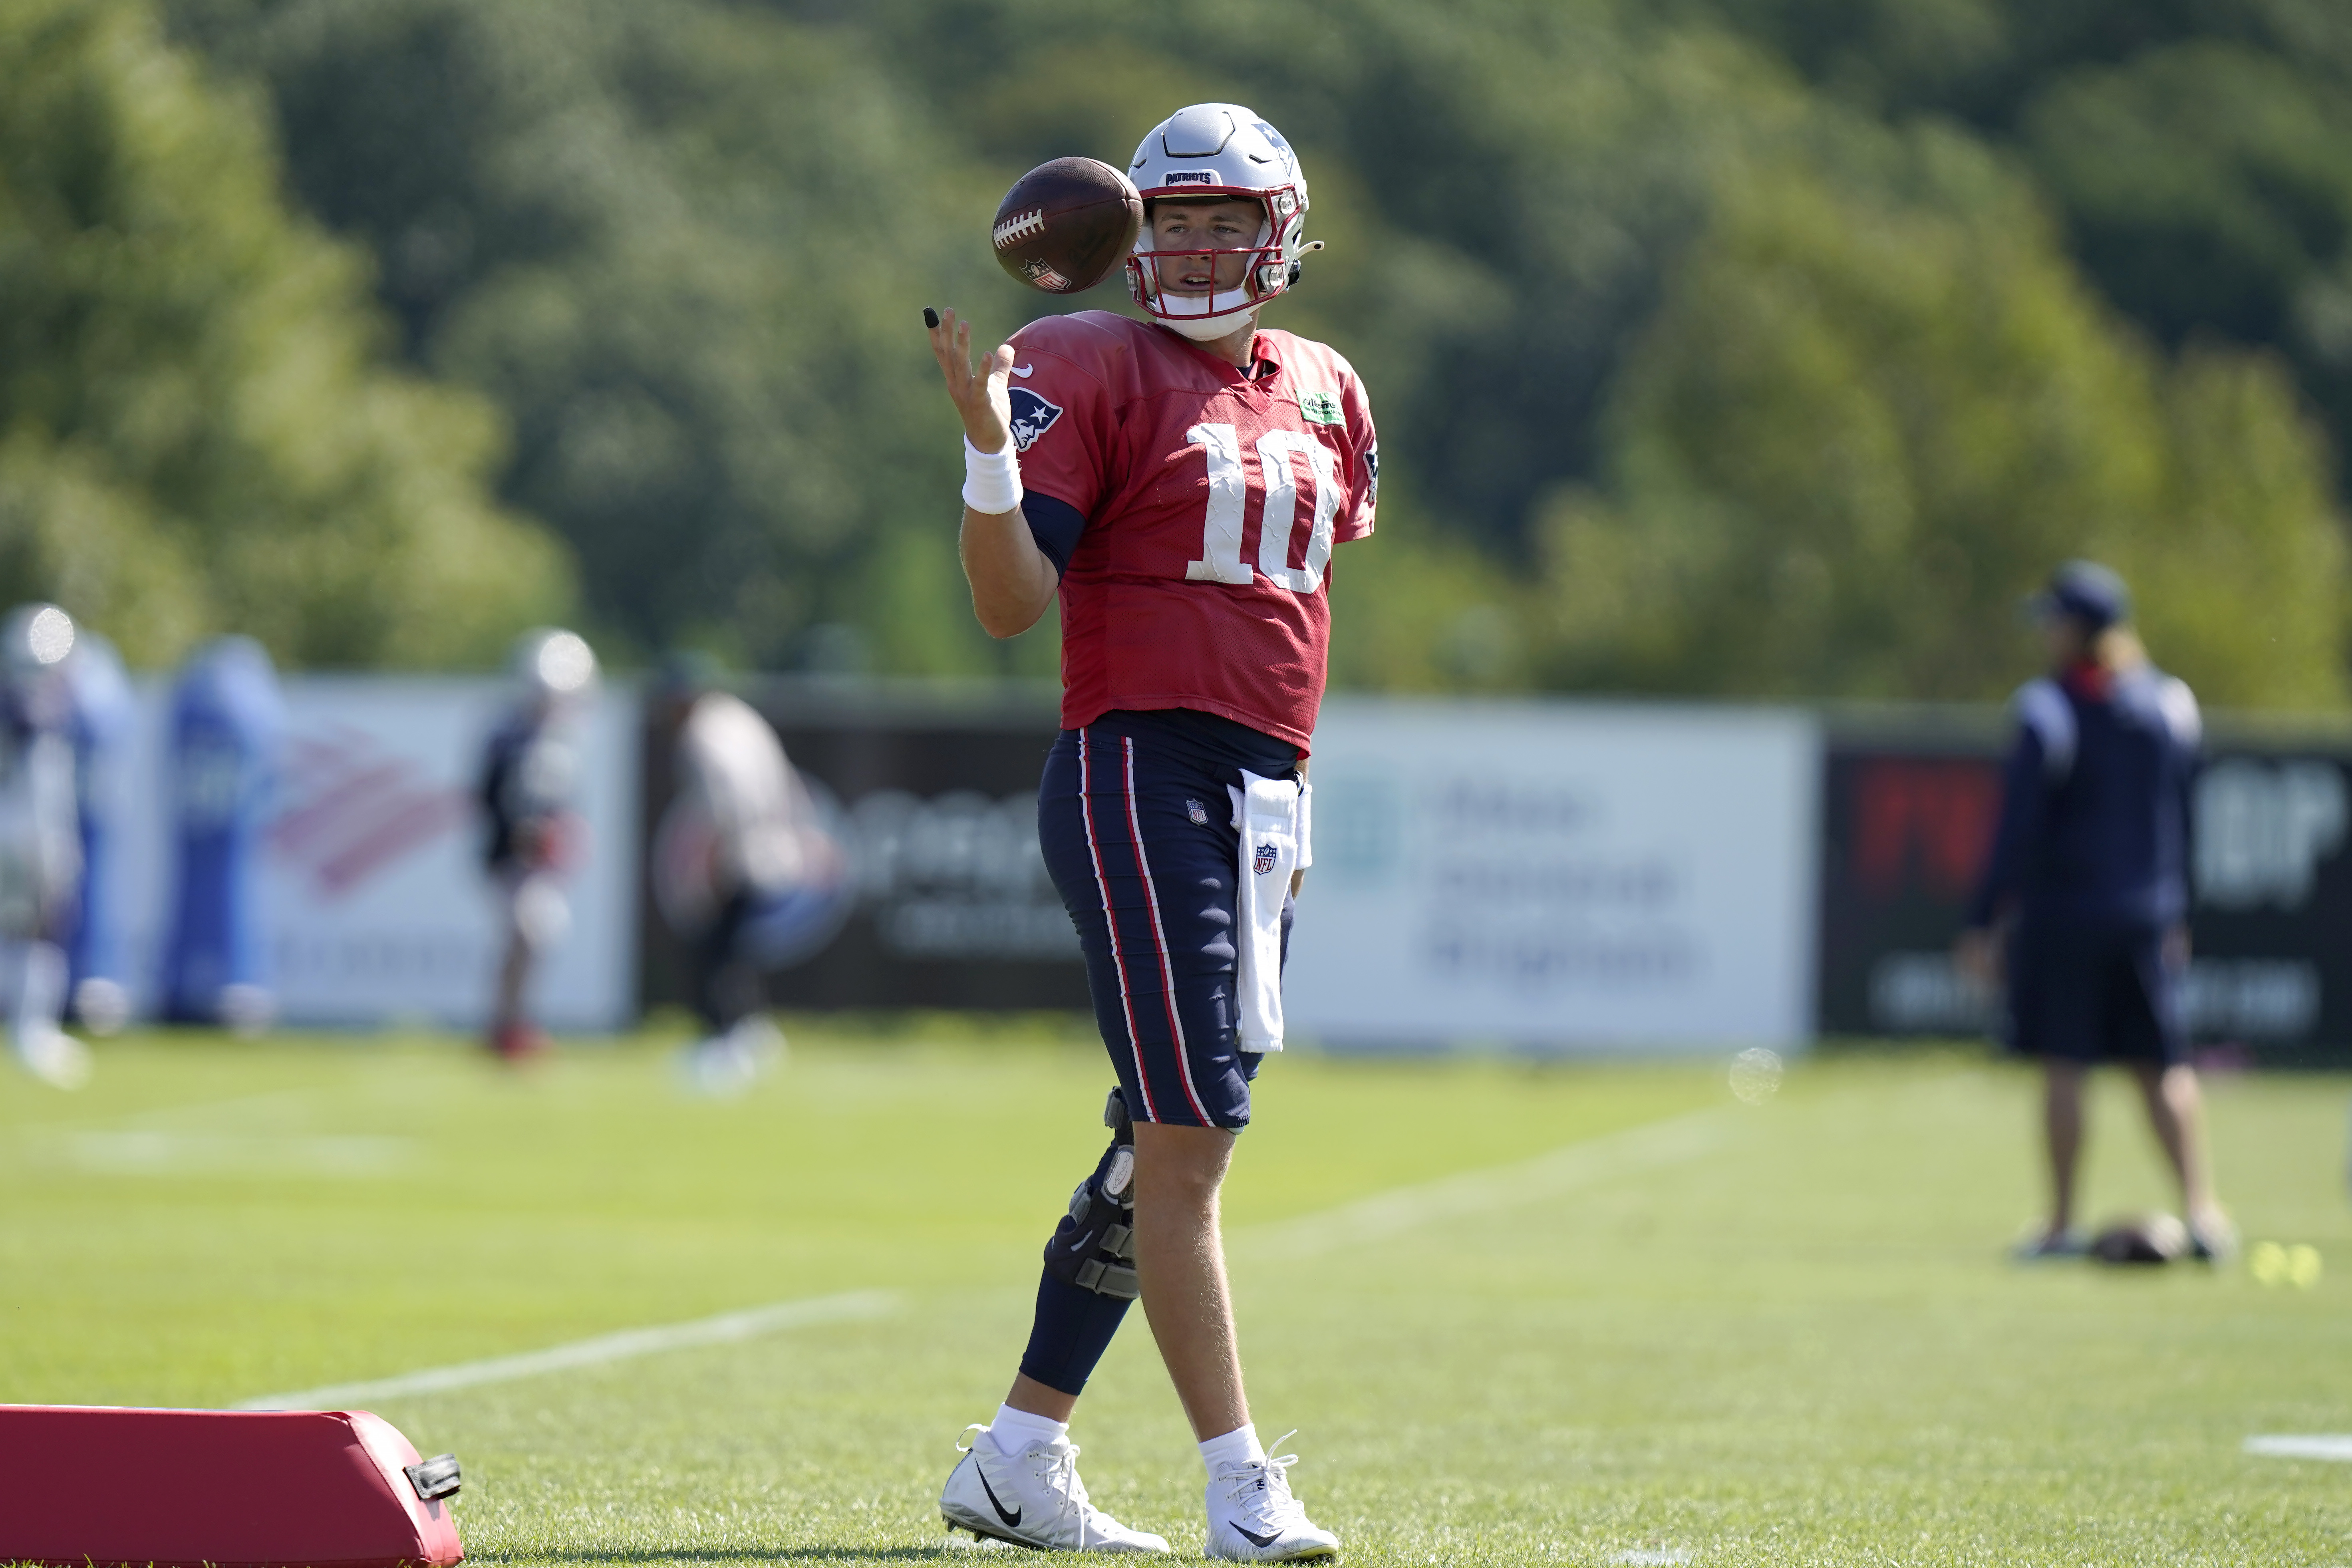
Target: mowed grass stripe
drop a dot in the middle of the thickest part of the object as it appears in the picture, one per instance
(725, 1328)
(1493, 1189)
(1383, 1214)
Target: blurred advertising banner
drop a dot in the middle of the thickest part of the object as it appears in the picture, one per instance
(374, 903)
(1557, 874)
(931, 793)
(1906, 822)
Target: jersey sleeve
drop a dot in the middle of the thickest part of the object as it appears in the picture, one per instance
(2017, 837)
(1364, 454)
(1062, 417)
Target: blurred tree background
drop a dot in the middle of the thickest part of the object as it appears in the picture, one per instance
(1721, 347)
(199, 429)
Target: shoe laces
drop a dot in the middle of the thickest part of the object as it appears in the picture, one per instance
(1057, 1467)
(1261, 1488)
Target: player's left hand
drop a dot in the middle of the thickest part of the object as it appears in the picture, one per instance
(980, 395)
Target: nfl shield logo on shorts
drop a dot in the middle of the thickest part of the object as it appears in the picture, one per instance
(1266, 856)
(1197, 812)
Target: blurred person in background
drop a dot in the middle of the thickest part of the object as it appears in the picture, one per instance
(528, 791)
(40, 840)
(104, 714)
(742, 861)
(2087, 882)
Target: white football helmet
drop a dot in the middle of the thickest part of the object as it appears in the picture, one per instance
(36, 640)
(554, 665)
(1219, 150)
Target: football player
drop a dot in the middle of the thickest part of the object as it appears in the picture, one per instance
(1179, 481)
(40, 840)
(741, 864)
(531, 778)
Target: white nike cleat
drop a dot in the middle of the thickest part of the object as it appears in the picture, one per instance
(1032, 1498)
(1253, 1517)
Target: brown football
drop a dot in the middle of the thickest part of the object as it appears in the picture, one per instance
(1066, 226)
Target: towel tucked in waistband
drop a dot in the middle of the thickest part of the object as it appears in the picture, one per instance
(1272, 815)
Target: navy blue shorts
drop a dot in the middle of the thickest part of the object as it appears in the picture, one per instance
(2091, 992)
(1138, 837)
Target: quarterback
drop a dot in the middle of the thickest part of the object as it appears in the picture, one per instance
(1180, 483)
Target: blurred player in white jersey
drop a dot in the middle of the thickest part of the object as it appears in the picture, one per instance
(739, 853)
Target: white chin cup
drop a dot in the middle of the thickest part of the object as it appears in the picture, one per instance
(1230, 306)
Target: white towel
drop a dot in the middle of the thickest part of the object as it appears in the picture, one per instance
(1272, 815)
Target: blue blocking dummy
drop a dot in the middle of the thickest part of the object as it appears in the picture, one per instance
(226, 721)
(102, 715)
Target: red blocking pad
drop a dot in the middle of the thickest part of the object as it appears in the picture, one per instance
(94, 1486)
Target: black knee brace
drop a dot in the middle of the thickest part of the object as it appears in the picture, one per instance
(1094, 1246)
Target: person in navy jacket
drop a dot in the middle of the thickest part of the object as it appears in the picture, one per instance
(2088, 881)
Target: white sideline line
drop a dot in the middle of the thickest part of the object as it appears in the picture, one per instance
(726, 1328)
(2311, 1448)
(1468, 1193)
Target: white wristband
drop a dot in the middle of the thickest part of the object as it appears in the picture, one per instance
(991, 480)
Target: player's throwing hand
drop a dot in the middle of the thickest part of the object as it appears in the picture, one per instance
(980, 394)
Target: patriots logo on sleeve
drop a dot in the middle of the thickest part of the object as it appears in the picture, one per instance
(1032, 416)
(1372, 472)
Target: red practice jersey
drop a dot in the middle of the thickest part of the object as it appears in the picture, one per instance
(1211, 502)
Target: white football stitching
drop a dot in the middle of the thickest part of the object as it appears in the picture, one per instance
(1014, 229)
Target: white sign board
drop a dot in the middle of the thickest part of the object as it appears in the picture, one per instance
(1557, 874)
(372, 892)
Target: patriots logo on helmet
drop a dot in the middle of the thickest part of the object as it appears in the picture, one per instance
(1032, 416)
(1266, 856)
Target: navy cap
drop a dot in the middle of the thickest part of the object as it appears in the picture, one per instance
(2085, 591)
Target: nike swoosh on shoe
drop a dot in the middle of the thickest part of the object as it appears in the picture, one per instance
(1012, 1519)
(1252, 1536)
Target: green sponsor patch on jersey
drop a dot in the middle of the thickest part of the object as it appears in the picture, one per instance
(1320, 408)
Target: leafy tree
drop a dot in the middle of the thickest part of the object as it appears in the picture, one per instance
(2193, 150)
(1719, 346)
(686, 248)
(198, 431)
(1872, 413)
(2206, 190)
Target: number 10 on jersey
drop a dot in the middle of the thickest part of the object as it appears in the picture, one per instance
(1221, 543)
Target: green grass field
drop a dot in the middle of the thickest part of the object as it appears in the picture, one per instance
(1568, 1314)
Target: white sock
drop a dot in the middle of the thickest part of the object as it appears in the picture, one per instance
(1238, 1447)
(1013, 1430)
